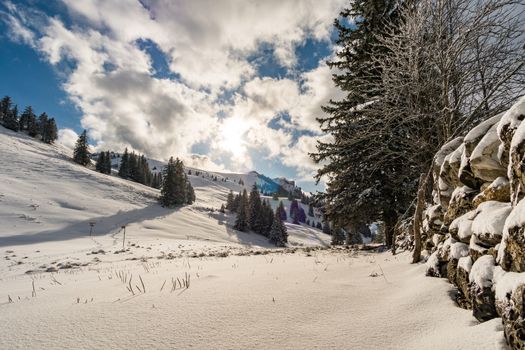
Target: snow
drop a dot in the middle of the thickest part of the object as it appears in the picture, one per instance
(445, 150)
(484, 158)
(482, 271)
(512, 120)
(482, 129)
(458, 250)
(463, 225)
(465, 263)
(516, 218)
(507, 282)
(490, 219)
(244, 293)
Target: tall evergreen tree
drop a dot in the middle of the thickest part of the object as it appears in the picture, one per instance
(50, 133)
(174, 190)
(81, 153)
(190, 193)
(278, 234)
(5, 108)
(101, 160)
(236, 202)
(326, 227)
(107, 163)
(11, 119)
(350, 196)
(338, 236)
(282, 211)
(241, 222)
(294, 211)
(229, 201)
(42, 122)
(123, 170)
(255, 219)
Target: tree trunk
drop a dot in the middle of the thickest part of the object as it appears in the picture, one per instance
(423, 179)
(390, 219)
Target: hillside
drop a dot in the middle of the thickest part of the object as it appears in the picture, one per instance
(48, 201)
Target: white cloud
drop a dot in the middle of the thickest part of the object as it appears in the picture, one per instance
(67, 138)
(207, 44)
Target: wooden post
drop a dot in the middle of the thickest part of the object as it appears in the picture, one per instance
(91, 224)
(124, 236)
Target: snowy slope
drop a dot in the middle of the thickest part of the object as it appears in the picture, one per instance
(45, 198)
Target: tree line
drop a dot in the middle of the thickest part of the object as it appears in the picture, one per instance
(414, 75)
(175, 188)
(42, 127)
(256, 214)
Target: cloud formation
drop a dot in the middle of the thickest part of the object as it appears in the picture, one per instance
(213, 94)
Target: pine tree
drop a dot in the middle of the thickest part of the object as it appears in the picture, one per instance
(190, 193)
(42, 122)
(229, 201)
(50, 131)
(107, 163)
(174, 190)
(236, 202)
(11, 119)
(241, 222)
(357, 75)
(223, 209)
(318, 226)
(282, 211)
(81, 152)
(294, 211)
(255, 220)
(5, 108)
(101, 159)
(338, 237)
(123, 170)
(310, 210)
(326, 228)
(278, 234)
(301, 215)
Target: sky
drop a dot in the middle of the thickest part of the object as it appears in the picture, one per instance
(225, 85)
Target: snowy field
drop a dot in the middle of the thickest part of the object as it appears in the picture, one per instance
(184, 279)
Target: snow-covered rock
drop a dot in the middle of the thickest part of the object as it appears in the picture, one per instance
(461, 227)
(467, 173)
(483, 160)
(460, 203)
(482, 295)
(497, 190)
(489, 221)
(511, 252)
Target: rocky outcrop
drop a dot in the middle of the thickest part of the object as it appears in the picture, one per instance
(497, 190)
(475, 226)
(460, 203)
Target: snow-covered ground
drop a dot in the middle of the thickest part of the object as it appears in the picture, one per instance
(185, 279)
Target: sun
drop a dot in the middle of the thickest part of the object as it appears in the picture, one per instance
(231, 135)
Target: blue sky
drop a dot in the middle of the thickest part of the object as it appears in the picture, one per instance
(240, 88)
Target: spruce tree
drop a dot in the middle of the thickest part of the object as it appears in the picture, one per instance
(5, 108)
(255, 220)
(301, 215)
(236, 202)
(319, 226)
(190, 193)
(310, 210)
(43, 120)
(278, 234)
(294, 211)
(350, 196)
(11, 119)
(326, 228)
(282, 211)
(338, 236)
(107, 163)
(81, 152)
(50, 133)
(123, 170)
(241, 222)
(229, 201)
(101, 160)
